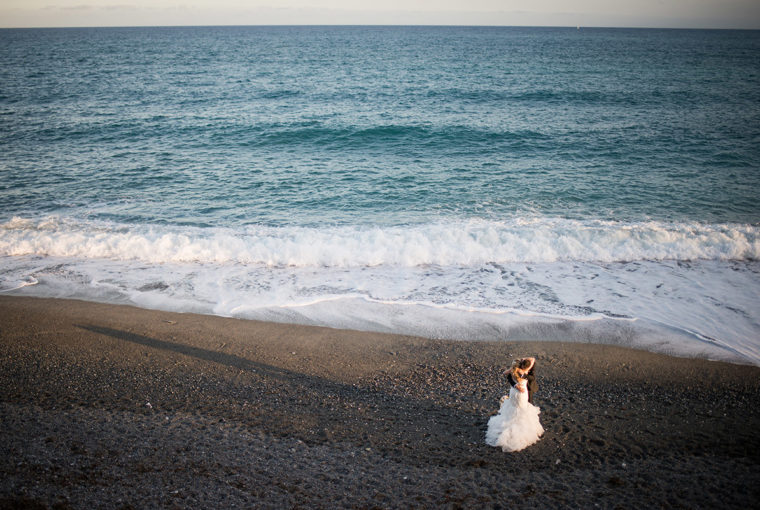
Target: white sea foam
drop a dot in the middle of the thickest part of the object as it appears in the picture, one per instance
(445, 243)
(685, 289)
(8, 285)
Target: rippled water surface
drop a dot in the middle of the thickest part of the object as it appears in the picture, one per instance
(595, 184)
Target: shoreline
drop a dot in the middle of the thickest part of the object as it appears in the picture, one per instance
(110, 405)
(573, 331)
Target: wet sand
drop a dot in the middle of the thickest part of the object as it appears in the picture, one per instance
(106, 406)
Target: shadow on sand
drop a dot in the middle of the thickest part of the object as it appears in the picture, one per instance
(320, 410)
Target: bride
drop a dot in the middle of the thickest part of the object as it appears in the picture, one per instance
(516, 426)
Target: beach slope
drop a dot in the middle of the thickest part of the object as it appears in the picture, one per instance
(118, 407)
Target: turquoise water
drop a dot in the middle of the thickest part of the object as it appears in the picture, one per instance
(506, 183)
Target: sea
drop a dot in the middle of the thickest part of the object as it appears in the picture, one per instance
(468, 183)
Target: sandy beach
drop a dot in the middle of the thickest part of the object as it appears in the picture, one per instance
(107, 406)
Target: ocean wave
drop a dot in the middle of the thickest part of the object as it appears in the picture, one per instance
(380, 136)
(521, 240)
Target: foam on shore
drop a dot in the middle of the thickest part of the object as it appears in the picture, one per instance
(674, 288)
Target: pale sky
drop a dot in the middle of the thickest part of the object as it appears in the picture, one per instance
(610, 13)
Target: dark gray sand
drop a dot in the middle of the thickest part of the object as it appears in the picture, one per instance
(116, 407)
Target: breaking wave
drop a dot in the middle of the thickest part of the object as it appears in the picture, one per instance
(539, 240)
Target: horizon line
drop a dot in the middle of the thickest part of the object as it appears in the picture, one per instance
(368, 25)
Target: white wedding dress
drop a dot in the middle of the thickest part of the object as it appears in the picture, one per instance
(516, 426)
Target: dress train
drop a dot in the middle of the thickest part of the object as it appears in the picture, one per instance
(516, 426)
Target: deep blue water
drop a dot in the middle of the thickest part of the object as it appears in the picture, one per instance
(445, 181)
